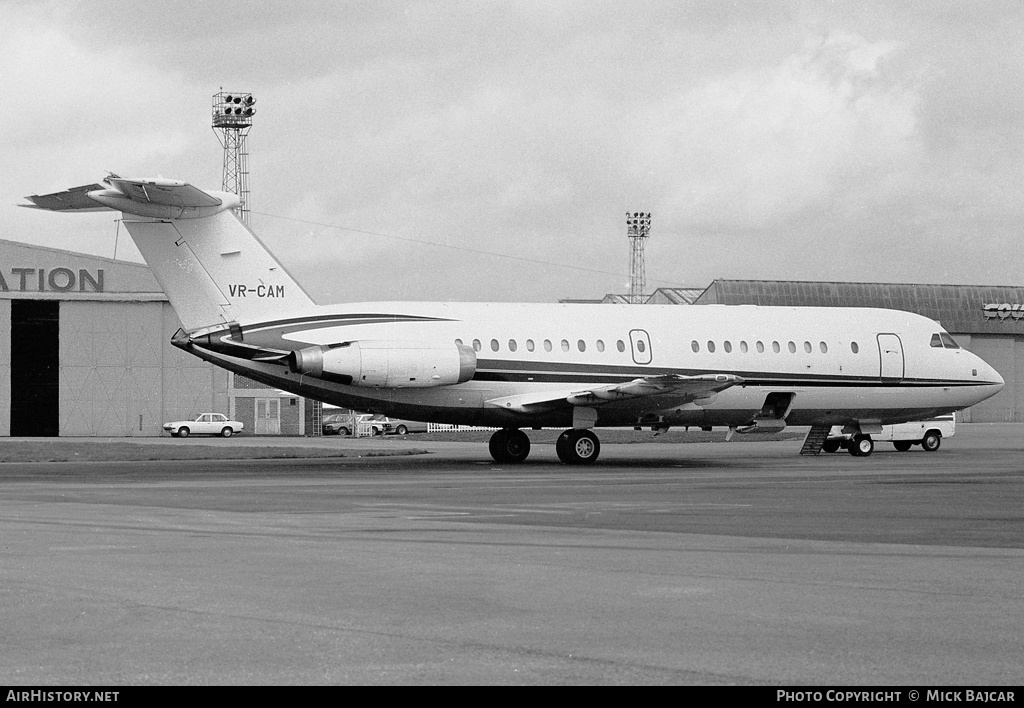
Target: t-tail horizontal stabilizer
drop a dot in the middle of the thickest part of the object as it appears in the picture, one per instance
(211, 266)
(154, 198)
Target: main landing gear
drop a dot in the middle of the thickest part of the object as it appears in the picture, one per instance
(574, 447)
(577, 447)
(509, 445)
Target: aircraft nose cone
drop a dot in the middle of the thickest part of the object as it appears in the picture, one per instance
(996, 378)
(989, 375)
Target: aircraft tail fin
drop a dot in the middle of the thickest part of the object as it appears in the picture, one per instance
(213, 269)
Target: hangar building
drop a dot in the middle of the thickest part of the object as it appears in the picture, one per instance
(85, 351)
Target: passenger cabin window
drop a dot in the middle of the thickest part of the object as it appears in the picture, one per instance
(547, 345)
(512, 346)
(760, 347)
(854, 347)
(743, 347)
(476, 344)
(581, 345)
(711, 346)
(620, 345)
(600, 345)
(695, 346)
(727, 345)
(494, 345)
(529, 345)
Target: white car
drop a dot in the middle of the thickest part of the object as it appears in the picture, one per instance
(205, 424)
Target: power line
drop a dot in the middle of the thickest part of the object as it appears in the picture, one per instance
(465, 249)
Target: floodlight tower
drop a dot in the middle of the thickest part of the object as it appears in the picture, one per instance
(638, 228)
(232, 118)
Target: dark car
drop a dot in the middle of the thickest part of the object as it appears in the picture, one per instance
(337, 424)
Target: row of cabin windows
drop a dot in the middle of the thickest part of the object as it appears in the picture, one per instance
(620, 345)
(760, 347)
(547, 345)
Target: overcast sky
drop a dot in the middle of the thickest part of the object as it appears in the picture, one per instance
(490, 150)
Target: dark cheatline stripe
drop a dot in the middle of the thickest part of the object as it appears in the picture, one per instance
(265, 334)
(550, 372)
(557, 372)
(349, 318)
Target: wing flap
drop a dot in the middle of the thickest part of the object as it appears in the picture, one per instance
(690, 388)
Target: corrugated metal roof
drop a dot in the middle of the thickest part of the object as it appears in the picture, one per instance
(675, 296)
(612, 299)
(960, 308)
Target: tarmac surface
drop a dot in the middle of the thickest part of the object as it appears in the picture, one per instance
(699, 563)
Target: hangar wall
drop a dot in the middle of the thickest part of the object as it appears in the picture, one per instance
(120, 376)
(115, 373)
(1006, 355)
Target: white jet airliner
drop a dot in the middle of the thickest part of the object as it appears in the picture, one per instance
(516, 366)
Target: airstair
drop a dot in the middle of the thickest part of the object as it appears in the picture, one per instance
(816, 437)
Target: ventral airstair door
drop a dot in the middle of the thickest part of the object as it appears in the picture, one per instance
(890, 353)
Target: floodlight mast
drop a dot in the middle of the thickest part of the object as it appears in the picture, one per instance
(232, 118)
(638, 228)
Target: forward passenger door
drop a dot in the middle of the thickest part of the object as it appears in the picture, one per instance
(890, 357)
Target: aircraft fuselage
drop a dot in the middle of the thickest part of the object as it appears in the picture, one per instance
(826, 365)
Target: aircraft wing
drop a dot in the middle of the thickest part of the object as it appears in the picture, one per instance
(689, 388)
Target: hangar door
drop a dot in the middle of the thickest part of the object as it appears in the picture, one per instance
(111, 369)
(35, 368)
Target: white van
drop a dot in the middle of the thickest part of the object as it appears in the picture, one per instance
(926, 433)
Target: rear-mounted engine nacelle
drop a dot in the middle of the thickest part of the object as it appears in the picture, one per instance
(387, 364)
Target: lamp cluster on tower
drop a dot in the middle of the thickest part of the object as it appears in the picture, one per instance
(232, 118)
(233, 109)
(638, 228)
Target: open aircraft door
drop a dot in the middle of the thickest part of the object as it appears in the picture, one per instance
(890, 354)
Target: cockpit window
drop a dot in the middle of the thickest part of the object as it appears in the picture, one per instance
(937, 341)
(948, 341)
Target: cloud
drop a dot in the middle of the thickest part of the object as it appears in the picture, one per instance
(62, 87)
(752, 149)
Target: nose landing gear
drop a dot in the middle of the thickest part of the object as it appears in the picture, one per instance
(861, 445)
